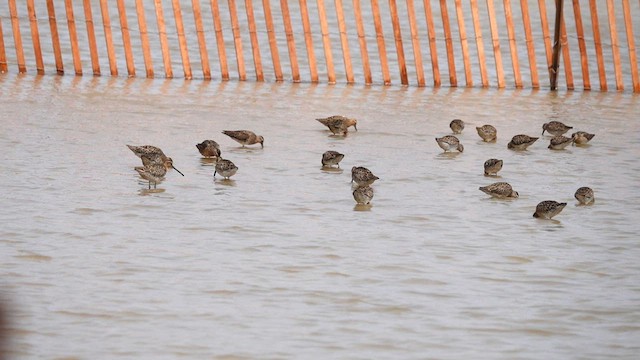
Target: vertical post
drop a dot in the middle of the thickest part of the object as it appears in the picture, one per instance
(271, 35)
(512, 44)
(597, 42)
(344, 41)
(463, 42)
(397, 35)
(182, 40)
(13, 11)
(73, 37)
(586, 82)
(126, 39)
(108, 36)
(433, 48)
(291, 44)
(377, 22)
(615, 45)
(202, 45)
(35, 35)
(306, 28)
(144, 39)
(633, 61)
(91, 35)
(253, 35)
(496, 43)
(566, 55)
(222, 52)
(164, 44)
(453, 79)
(362, 41)
(415, 42)
(3, 54)
(531, 51)
(555, 59)
(544, 23)
(479, 43)
(326, 42)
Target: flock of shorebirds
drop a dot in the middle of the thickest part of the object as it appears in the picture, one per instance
(156, 163)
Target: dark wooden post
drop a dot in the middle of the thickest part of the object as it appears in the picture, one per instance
(555, 60)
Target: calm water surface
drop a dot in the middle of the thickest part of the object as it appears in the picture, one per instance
(279, 263)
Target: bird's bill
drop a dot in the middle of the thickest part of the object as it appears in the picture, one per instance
(179, 172)
(355, 127)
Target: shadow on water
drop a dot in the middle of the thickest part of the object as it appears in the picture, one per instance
(334, 170)
(147, 192)
(449, 155)
(208, 161)
(225, 182)
(362, 207)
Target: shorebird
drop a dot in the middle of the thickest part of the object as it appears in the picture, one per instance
(330, 158)
(148, 153)
(154, 172)
(338, 124)
(581, 137)
(548, 209)
(521, 142)
(209, 148)
(245, 137)
(362, 176)
(584, 195)
(492, 166)
(226, 168)
(450, 142)
(363, 195)
(500, 190)
(488, 133)
(559, 142)
(456, 126)
(555, 128)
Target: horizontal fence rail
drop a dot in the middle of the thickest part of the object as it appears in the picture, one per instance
(483, 43)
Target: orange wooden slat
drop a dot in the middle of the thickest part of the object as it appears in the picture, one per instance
(453, 79)
(253, 36)
(397, 35)
(615, 45)
(597, 40)
(164, 43)
(271, 35)
(308, 40)
(108, 37)
(477, 28)
(17, 38)
(344, 41)
(144, 39)
(126, 38)
(3, 55)
(512, 43)
(433, 48)
(586, 82)
(546, 36)
(362, 42)
(73, 37)
(566, 55)
(382, 51)
(633, 61)
(496, 43)
(531, 50)
(463, 42)
(326, 42)
(291, 44)
(415, 42)
(91, 37)
(35, 36)
(202, 45)
(222, 52)
(182, 40)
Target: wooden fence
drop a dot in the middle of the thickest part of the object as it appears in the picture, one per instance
(498, 43)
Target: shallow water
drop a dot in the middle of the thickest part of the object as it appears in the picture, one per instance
(279, 262)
